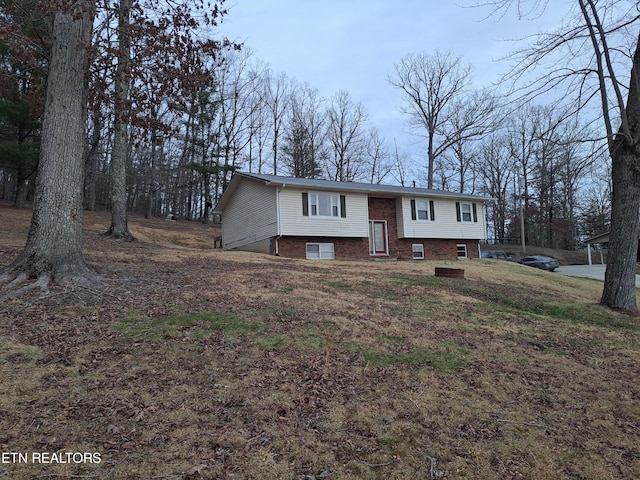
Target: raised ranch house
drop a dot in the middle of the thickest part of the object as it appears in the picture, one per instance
(322, 219)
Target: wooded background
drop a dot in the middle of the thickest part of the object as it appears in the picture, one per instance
(196, 111)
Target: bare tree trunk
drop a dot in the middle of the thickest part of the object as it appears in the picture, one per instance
(151, 190)
(119, 227)
(92, 162)
(20, 199)
(53, 250)
(620, 277)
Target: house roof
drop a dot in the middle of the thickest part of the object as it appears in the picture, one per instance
(602, 238)
(316, 184)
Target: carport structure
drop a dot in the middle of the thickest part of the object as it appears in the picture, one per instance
(603, 239)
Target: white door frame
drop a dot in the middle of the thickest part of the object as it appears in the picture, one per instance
(378, 232)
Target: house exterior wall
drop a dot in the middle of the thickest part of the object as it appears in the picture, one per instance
(402, 248)
(383, 209)
(344, 248)
(259, 215)
(250, 219)
(293, 222)
(445, 224)
(358, 248)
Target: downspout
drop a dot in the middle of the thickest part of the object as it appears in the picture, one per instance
(276, 247)
(485, 227)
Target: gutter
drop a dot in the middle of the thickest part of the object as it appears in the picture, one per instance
(276, 249)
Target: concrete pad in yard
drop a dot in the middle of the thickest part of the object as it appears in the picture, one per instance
(587, 271)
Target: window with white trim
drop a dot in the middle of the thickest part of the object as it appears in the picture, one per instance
(324, 205)
(462, 250)
(465, 212)
(422, 210)
(418, 251)
(320, 251)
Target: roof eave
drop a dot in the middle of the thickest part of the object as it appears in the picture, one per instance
(389, 191)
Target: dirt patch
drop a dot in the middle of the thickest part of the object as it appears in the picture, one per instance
(198, 363)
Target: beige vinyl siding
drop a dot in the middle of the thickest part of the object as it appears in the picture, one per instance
(293, 222)
(445, 224)
(250, 216)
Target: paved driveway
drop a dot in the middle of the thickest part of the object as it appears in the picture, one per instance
(587, 271)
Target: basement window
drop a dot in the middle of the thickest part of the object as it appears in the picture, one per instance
(418, 251)
(320, 251)
(462, 250)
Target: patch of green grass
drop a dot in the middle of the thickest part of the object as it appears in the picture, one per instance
(281, 313)
(451, 359)
(134, 325)
(392, 339)
(312, 342)
(200, 334)
(540, 303)
(273, 342)
(18, 353)
(313, 335)
(419, 281)
(340, 285)
(556, 351)
(284, 290)
(585, 342)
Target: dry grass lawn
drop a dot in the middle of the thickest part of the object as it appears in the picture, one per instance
(195, 363)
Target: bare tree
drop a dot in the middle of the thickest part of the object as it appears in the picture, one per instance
(346, 135)
(496, 169)
(576, 158)
(297, 151)
(378, 156)
(596, 209)
(304, 141)
(258, 127)
(157, 40)
(432, 85)
(473, 116)
(53, 250)
(593, 57)
(237, 86)
(277, 100)
(119, 227)
(546, 175)
(523, 131)
(400, 165)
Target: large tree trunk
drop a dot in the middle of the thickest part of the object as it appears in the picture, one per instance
(119, 226)
(620, 278)
(53, 250)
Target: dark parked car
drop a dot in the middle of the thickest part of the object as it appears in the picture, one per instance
(498, 254)
(540, 261)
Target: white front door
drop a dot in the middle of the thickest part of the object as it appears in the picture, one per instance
(378, 241)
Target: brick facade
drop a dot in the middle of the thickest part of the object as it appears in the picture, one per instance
(400, 248)
(345, 248)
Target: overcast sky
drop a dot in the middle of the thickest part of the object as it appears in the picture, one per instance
(352, 45)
